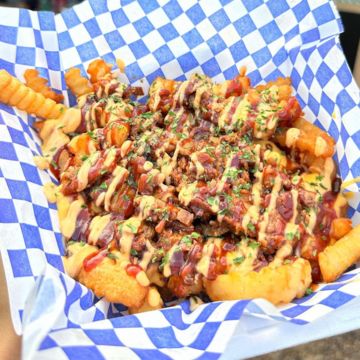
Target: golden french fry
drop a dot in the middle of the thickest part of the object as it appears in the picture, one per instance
(306, 137)
(335, 259)
(14, 93)
(110, 279)
(97, 69)
(77, 83)
(278, 285)
(283, 85)
(340, 227)
(40, 85)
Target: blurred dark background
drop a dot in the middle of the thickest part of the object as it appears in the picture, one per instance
(349, 11)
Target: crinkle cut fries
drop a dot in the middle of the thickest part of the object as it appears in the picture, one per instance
(222, 190)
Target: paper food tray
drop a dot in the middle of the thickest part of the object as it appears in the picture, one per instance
(58, 317)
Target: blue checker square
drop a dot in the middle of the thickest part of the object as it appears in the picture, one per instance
(103, 337)
(163, 55)
(244, 25)
(262, 56)
(344, 75)
(211, 68)
(7, 211)
(18, 190)
(70, 18)
(196, 14)
(324, 74)
(31, 236)
(65, 41)
(216, 44)
(98, 7)
(46, 21)
(345, 102)
(42, 216)
(53, 60)
(172, 9)
(308, 76)
(114, 40)
(219, 20)
(187, 62)
(301, 10)
(163, 338)
(87, 51)
(8, 34)
(146, 354)
(38, 39)
(20, 263)
(206, 335)
(148, 5)
(252, 4)
(24, 18)
(134, 72)
(55, 261)
(337, 299)
(324, 14)
(313, 105)
(193, 38)
(327, 103)
(92, 27)
(277, 7)
(168, 32)
(295, 311)
(25, 55)
(47, 343)
(270, 32)
(310, 36)
(143, 26)
(119, 18)
(280, 57)
(30, 172)
(239, 51)
(231, 72)
(8, 151)
(87, 352)
(17, 136)
(139, 48)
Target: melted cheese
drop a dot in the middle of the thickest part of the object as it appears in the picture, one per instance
(167, 268)
(83, 174)
(145, 261)
(252, 214)
(41, 162)
(281, 254)
(249, 255)
(320, 146)
(153, 297)
(142, 279)
(291, 137)
(68, 224)
(118, 175)
(198, 165)
(202, 266)
(125, 147)
(110, 157)
(225, 113)
(50, 191)
(129, 229)
(187, 192)
(97, 226)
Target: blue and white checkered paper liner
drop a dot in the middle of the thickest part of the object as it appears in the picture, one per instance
(60, 318)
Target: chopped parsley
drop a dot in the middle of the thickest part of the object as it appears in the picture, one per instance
(250, 226)
(133, 252)
(308, 291)
(254, 244)
(112, 256)
(84, 157)
(132, 228)
(238, 260)
(103, 186)
(147, 115)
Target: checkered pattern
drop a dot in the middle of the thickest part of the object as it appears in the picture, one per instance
(59, 317)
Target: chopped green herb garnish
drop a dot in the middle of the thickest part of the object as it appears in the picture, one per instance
(112, 256)
(84, 157)
(251, 226)
(133, 252)
(254, 244)
(308, 291)
(103, 186)
(238, 260)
